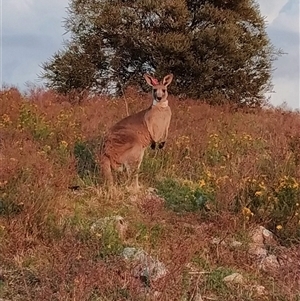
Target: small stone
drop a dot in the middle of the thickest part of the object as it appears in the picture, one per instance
(256, 236)
(218, 241)
(262, 236)
(257, 250)
(198, 297)
(146, 267)
(156, 294)
(128, 252)
(266, 233)
(152, 190)
(268, 236)
(259, 290)
(269, 263)
(234, 278)
(236, 244)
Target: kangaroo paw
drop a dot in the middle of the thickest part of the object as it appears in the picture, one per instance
(161, 144)
(153, 145)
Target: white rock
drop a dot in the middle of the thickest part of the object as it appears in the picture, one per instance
(152, 190)
(156, 294)
(236, 244)
(234, 278)
(268, 236)
(198, 297)
(259, 290)
(261, 238)
(258, 250)
(266, 233)
(146, 267)
(218, 241)
(269, 263)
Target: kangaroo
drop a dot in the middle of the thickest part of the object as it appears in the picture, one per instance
(125, 143)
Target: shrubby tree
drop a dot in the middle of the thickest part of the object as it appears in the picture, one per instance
(217, 49)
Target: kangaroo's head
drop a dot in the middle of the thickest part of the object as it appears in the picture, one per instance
(159, 89)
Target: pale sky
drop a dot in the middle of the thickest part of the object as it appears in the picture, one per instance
(32, 31)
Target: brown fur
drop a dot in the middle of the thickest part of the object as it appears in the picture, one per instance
(126, 141)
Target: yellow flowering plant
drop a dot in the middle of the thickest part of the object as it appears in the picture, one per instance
(275, 204)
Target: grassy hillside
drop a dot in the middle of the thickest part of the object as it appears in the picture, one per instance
(221, 173)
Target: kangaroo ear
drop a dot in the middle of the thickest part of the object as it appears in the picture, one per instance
(151, 81)
(167, 80)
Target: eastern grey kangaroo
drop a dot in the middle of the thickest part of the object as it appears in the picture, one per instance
(125, 143)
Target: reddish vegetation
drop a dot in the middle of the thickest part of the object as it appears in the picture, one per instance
(47, 251)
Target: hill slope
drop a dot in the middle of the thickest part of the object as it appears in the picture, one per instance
(221, 174)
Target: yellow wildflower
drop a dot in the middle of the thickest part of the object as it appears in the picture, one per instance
(279, 227)
(64, 144)
(208, 173)
(201, 183)
(247, 137)
(262, 185)
(47, 148)
(247, 212)
(187, 183)
(296, 185)
(6, 119)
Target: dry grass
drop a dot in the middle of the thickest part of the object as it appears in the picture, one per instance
(221, 172)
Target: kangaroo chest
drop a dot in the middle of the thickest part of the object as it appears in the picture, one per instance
(158, 121)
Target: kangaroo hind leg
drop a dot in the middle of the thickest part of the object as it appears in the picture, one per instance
(107, 172)
(132, 167)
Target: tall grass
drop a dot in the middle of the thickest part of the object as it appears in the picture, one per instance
(229, 169)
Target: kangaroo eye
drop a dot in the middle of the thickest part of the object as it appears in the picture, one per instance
(164, 91)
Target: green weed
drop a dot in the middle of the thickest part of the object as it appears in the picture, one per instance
(29, 119)
(277, 205)
(86, 165)
(182, 197)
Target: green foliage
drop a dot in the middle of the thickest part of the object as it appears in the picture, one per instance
(86, 165)
(220, 148)
(153, 163)
(211, 281)
(214, 280)
(277, 205)
(35, 123)
(8, 207)
(72, 69)
(110, 242)
(150, 236)
(200, 262)
(182, 196)
(63, 151)
(214, 153)
(217, 50)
